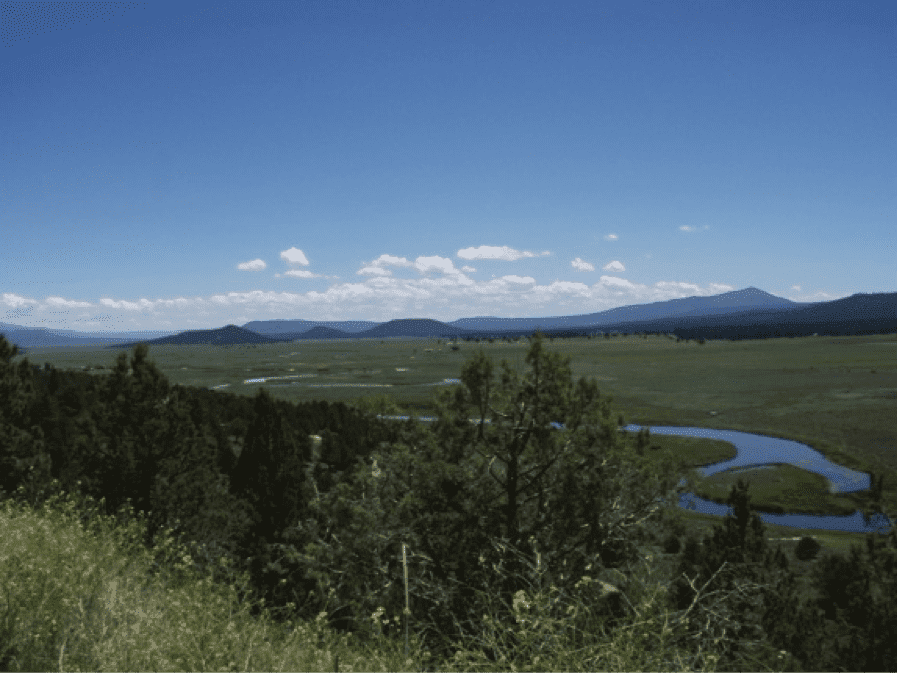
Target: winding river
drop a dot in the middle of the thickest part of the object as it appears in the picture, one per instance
(759, 450)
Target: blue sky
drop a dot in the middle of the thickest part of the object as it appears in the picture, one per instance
(185, 165)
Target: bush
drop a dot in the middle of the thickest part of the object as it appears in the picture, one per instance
(671, 544)
(807, 549)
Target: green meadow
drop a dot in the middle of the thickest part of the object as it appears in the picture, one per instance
(835, 394)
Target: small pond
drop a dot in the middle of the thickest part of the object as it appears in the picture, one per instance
(759, 450)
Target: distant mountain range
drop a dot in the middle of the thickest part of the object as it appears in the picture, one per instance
(748, 313)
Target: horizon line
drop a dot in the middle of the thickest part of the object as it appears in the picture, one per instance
(383, 322)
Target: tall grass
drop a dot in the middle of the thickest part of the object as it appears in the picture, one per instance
(79, 591)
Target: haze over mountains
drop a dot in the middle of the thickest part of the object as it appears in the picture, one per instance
(748, 313)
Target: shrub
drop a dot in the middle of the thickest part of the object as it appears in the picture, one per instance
(671, 544)
(807, 549)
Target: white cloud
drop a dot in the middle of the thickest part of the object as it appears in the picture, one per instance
(435, 263)
(294, 256)
(614, 281)
(14, 300)
(686, 289)
(796, 288)
(495, 252)
(560, 287)
(391, 260)
(519, 280)
(687, 227)
(300, 273)
(439, 290)
(373, 271)
(59, 302)
(376, 267)
(254, 265)
(611, 237)
(468, 269)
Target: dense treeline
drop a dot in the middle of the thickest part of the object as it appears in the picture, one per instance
(479, 508)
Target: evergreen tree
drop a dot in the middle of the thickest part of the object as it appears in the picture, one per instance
(736, 589)
(270, 470)
(467, 497)
(128, 415)
(153, 447)
(854, 609)
(23, 459)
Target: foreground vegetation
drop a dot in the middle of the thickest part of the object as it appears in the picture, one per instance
(523, 548)
(81, 593)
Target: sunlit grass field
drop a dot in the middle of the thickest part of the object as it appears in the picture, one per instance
(835, 394)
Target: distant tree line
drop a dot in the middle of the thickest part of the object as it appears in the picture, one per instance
(320, 528)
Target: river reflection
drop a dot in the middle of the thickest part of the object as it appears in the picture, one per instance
(758, 450)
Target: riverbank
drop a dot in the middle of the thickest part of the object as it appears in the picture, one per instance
(778, 489)
(775, 488)
(819, 493)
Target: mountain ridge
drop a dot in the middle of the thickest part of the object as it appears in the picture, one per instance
(742, 306)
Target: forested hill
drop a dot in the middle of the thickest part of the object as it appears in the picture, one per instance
(858, 314)
(223, 336)
(412, 327)
(322, 332)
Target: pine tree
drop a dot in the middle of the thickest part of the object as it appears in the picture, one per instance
(23, 459)
(733, 583)
(270, 470)
(467, 497)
